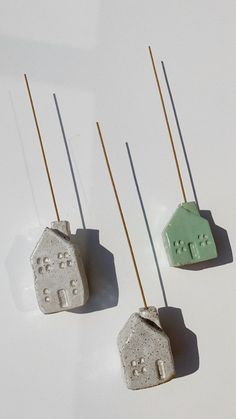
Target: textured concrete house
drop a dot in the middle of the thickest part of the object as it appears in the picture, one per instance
(187, 237)
(60, 280)
(145, 351)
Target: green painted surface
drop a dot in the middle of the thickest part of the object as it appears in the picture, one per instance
(187, 237)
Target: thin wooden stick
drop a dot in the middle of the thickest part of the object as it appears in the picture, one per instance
(168, 125)
(122, 216)
(42, 148)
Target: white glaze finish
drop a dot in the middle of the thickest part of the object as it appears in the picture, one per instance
(58, 271)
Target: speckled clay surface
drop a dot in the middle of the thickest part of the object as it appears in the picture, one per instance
(145, 351)
(60, 280)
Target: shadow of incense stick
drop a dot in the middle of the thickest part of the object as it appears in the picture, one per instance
(147, 224)
(180, 134)
(69, 160)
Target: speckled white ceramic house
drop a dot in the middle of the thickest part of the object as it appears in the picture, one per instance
(145, 351)
(60, 280)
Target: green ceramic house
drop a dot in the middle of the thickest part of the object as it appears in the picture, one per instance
(187, 237)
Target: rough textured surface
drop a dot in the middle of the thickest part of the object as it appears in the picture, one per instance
(145, 351)
(60, 280)
(188, 238)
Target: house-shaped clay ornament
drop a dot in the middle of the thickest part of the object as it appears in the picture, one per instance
(145, 351)
(187, 237)
(60, 280)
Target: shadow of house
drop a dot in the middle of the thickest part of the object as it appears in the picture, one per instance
(182, 340)
(100, 270)
(188, 238)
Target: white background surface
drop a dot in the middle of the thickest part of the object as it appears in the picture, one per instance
(93, 54)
